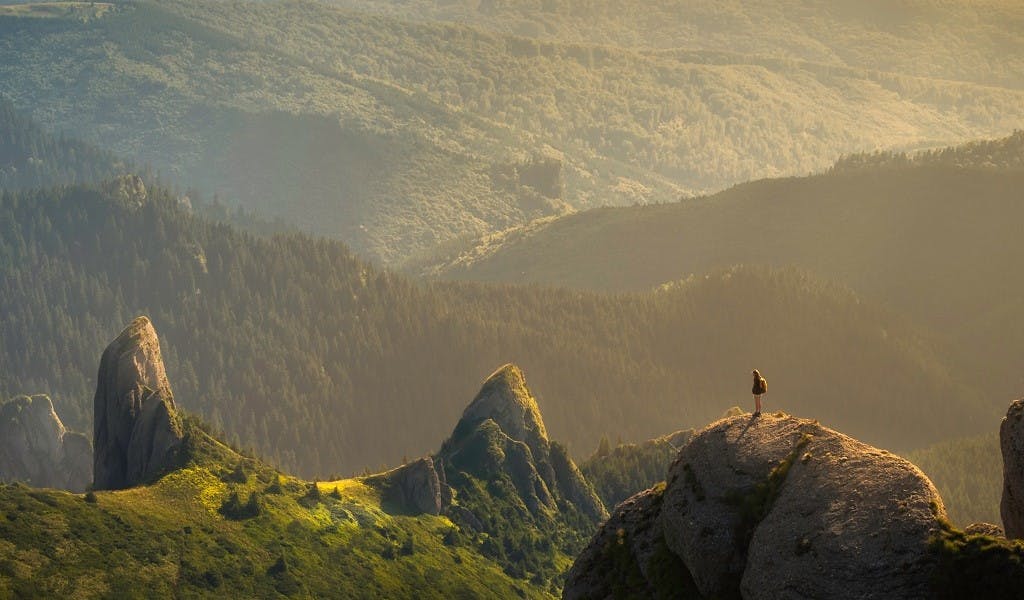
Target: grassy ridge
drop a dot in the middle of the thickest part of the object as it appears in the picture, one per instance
(171, 539)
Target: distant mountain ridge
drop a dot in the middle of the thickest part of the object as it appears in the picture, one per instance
(920, 234)
(284, 342)
(922, 38)
(340, 121)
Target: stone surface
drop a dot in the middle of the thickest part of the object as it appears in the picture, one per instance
(137, 431)
(860, 515)
(780, 507)
(1011, 441)
(413, 488)
(989, 529)
(35, 447)
(621, 553)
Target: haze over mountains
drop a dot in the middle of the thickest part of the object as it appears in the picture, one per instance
(284, 342)
(340, 121)
(919, 236)
(341, 216)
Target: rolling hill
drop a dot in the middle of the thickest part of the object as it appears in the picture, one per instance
(325, 364)
(934, 237)
(969, 41)
(342, 122)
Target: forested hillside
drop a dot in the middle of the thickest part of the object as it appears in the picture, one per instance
(968, 473)
(32, 157)
(326, 364)
(970, 41)
(340, 122)
(936, 239)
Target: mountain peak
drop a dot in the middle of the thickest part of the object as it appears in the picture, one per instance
(137, 430)
(505, 399)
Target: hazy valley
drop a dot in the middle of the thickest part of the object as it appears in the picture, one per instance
(359, 228)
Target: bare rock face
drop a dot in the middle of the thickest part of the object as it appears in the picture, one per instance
(780, 507)
(861, 515)
(414, 488)
(36, 448)
(628, 557)
(1011, 441)
(137, 431)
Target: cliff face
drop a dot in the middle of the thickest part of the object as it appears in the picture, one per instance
(415, 488)
(36, 448)
(765, 508)
(137, 431)
(1011, 442)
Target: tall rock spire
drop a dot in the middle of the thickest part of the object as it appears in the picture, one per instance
(137, 431)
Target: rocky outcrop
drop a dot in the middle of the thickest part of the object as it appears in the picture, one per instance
(780, 507)
(137, 432)
(414, 488)
(1011, 441)
(501, 434)
(629, 554)
(35, 447)
(986, 529)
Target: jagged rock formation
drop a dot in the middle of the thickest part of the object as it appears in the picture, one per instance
(37, 449)
(502, 432)
(776, 507)
(414, 488)
(137, 432)
(1011, 441)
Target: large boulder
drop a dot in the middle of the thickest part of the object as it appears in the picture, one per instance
(37, 449)
(1011, 441)
(780, 507)
(628, 556)
(137, 432)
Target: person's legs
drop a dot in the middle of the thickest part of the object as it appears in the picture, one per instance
(757, 403)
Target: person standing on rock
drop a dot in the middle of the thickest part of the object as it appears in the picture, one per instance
(760, 387)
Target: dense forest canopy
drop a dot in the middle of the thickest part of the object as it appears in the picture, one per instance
(971, 41)
(933, 236)
(340, 121)
(326, 364)
(33, 157)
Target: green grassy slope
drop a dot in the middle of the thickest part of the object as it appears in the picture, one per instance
(173, 539)
(327, 365)
(343, 122)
